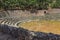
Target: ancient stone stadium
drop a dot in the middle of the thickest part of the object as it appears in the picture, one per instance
(23, 25)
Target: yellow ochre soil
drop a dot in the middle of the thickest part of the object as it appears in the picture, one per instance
(42, 26)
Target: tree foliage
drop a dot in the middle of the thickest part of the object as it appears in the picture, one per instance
(29, 4)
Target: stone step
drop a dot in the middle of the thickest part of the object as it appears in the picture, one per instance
(14, 23)
(10, 23)
(6, 23)
(3, 22)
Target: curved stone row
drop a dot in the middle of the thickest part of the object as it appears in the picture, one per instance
(8, 21)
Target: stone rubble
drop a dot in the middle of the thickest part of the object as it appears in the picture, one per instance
(23, 34)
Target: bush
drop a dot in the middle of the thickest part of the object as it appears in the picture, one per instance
(55, 3)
